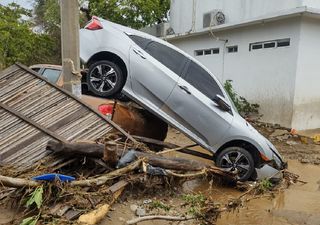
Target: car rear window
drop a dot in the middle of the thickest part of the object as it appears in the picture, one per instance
(140, 41)
(52, 75)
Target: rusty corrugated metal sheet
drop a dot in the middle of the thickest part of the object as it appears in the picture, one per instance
(34, 111)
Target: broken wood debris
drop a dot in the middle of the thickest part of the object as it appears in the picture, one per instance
(109, 155)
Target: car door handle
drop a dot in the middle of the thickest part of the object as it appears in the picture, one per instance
(185, 89)
(138, 53)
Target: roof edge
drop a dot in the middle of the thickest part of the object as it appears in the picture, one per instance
(299, 11)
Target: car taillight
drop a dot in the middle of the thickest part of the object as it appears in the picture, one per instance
(94, 24)
(106, 110)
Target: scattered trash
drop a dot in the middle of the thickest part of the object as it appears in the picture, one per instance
(54, 176)
(140, 211)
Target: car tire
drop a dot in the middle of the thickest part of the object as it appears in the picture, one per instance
(236, 158)
(105, 78)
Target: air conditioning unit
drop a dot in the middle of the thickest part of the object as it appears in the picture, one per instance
(213, 18)
(162, 29)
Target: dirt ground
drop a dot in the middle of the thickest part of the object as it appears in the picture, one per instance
(297, 205)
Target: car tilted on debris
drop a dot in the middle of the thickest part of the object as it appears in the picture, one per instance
(177, 88)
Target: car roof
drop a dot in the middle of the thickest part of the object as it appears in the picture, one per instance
(47, 66)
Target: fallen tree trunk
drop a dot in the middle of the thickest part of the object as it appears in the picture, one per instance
(159, 217)
(17, 182)
(170, 145)
(170, 163)
(109, 153)
(79, 148)
(109, 176)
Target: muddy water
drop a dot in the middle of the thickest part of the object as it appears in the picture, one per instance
(300, 204)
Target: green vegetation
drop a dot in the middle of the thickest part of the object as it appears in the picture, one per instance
(132, 13)
(195, 203)
(36, 199)
(265, 185)
(243, 106)
(18, 42)
(159, 205)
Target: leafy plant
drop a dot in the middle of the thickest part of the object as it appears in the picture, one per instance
(196, 203)
(243, 106)
(32, 220)
(159, 205)
(18, 41)
(265, 185)
(36, 197)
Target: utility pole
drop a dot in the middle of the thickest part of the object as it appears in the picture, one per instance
(70, 46)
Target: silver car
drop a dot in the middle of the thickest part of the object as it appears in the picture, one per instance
(178, 89)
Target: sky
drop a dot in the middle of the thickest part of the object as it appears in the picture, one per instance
(24, 3)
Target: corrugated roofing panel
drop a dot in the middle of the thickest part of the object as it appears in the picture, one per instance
(34, 111)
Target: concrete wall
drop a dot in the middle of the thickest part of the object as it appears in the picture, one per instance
(307, 92)
(265, 76)
(182, 14)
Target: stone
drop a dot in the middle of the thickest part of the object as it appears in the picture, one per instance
(279, 132)
(140, 211)
(291, 143)
(305, 160)
(133, 208)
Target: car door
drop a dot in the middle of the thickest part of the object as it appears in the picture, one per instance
(192, 107)
(154, 70)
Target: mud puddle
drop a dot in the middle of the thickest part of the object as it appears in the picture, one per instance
(300, 204)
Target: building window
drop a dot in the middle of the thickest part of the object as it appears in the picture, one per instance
(269, 44)
(209, 51)
(256, 46)
(232, 49)
(198, 52)
(215, 51)
(283, 42)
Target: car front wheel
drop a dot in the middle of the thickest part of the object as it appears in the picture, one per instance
(105, 78)
(236, 159)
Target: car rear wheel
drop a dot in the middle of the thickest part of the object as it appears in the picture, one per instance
(105, 78)
(236, 159)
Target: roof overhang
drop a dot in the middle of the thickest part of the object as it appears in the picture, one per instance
(299, 11)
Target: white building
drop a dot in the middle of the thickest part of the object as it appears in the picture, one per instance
(269, 48)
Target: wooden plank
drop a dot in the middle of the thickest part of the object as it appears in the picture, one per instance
(32, 123)
(117, 127)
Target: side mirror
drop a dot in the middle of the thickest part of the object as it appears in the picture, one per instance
(223, 105)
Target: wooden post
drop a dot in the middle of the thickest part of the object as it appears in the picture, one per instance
(70, 46)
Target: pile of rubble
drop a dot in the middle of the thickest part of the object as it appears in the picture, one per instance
(100, 173)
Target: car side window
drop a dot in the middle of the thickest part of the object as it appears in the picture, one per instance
(202, 80)
(52, 75)
(167, 56)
